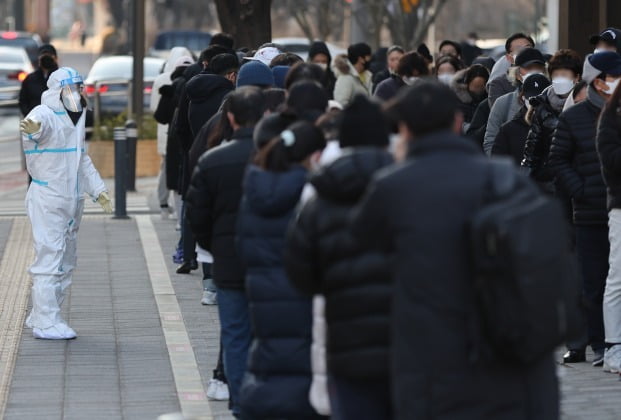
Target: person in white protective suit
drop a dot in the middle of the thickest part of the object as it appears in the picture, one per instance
(53, 137)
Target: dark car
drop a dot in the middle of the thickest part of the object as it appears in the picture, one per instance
(110, 77)
(195, 41)
(26, 40)
(14, 67)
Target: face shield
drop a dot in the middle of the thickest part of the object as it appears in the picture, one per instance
(71, 93)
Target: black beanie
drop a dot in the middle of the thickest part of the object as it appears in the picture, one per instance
(363, 124)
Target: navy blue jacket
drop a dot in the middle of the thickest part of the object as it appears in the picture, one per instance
(278, 378)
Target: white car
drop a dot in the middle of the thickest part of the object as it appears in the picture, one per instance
(14, 67)
(300, 46)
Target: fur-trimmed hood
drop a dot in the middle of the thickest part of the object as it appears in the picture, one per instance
(459, 86)
(342, 66)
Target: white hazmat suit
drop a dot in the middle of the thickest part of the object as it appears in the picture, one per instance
(61, 173)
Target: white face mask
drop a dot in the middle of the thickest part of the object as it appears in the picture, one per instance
(445, 78)
(530, 73)
(562, 85)
(612, 86)
(598, 50)
(409, 80)
(527, 103)
(324, 66)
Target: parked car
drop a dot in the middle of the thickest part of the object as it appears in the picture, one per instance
(300, 46)
(26, 40)
(110, 77)
(14, 67)
(195, 41)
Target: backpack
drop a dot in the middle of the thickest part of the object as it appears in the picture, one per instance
(526, 284)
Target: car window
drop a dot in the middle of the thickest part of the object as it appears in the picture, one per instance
(122, 69)
(9, 56)
(296, 48)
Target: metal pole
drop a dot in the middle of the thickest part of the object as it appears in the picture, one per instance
(138, 53)
(120, 170)
(131, 131)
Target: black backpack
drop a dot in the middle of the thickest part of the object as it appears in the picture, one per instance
(526, 283)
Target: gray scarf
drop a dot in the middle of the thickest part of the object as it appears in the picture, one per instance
(595, 98)
(557, 102)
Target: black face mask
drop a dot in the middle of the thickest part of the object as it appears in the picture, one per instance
(367, 64)
(48, 63)
(478, 97)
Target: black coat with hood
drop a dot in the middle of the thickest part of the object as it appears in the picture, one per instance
(173, 147)
(322, 257)
(419, 210)
(576, 165)
(467, 103)
(206, 93)
(278, 376)
(212, 204)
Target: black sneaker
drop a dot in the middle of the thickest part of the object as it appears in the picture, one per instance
(598, 358)
(187, 266)
(574, 356)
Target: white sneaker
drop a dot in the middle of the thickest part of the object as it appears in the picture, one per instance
(217, 390)
(55, 332)
(209, 298)
(612, 359)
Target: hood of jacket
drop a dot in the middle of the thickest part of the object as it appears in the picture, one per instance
(175, 54)
(272, 194)
(460, 87)
(346, 179)
(202, 86)
(341, 66)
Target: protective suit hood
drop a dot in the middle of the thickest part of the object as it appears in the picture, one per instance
(56, 81)
(175, 54)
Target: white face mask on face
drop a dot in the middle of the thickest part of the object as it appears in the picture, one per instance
(562, 85)
(409, 80)
(324, 66)
(527, 103)
(530, 73)
(598, 50)
(445, 78)
(612, 86)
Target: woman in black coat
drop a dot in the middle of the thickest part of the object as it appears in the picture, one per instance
(278, 377)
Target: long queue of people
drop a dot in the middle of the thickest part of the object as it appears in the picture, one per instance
(326, 205)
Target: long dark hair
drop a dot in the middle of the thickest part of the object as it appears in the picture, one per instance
(293, 145)
(222, 130)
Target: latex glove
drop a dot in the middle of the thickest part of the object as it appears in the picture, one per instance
(104, 202)
(29, 126)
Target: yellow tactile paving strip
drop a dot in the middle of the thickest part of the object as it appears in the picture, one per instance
(190, 391)
(15, 285)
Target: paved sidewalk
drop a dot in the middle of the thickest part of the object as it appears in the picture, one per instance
(133, 315)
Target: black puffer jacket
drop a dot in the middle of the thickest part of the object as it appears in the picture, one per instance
(322, 257)
(212, 203)
(174, 154)
(574, 160)
(206, 93)
(420, 209)
(279, 375)
(609, 151)
(539, 139)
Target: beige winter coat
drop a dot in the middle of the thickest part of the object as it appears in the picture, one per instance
(348, 81)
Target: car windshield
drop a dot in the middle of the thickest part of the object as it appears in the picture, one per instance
(121, 68)
(296, 48)
(194, 41)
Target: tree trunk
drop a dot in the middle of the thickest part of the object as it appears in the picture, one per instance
(248, 21)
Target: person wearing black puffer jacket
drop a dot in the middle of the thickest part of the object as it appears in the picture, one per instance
(278, 378)
(207, 91)
(322, 257)
(212, 202)
(577, 168)
(564, 68)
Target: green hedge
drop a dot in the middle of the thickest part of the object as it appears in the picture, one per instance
(105, 129)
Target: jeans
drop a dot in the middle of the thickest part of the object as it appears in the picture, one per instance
(360, 400)
(612, 294)
(236, 337)
(208, 283)
(593, 249)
